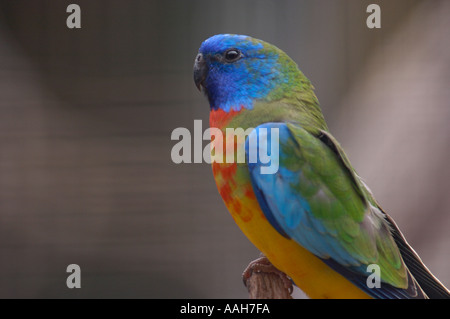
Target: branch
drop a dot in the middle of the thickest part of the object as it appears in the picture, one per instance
(264, 281)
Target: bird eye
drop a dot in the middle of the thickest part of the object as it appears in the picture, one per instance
(232, 55)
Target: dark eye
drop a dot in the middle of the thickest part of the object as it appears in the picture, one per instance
(232, 55)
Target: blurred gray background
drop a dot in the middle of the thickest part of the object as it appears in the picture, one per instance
(86, 116)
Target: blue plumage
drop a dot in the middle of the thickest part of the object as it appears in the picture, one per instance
(233, 86)
(308, 191)
(291, 215)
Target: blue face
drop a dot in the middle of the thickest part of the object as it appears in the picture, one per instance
(234, 70)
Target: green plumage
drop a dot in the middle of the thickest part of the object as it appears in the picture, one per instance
(316, 198)
(339, 201)
(337, 197)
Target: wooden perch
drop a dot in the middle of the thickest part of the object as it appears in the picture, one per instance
(264, 281)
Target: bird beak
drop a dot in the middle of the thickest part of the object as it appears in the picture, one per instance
(200, 71)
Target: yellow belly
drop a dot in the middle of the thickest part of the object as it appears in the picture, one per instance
(308, 272)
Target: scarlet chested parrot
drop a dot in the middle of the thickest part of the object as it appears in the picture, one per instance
(313, 217)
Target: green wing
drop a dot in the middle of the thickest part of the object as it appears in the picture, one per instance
(316, 199)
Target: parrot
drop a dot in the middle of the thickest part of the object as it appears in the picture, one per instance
(314, 219)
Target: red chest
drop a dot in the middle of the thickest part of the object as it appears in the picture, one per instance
(219, 118)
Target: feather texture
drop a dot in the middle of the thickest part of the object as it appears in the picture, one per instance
(313, 218)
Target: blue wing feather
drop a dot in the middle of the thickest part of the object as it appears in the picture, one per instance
(290, 215)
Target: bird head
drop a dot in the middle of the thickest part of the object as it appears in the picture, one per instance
(235, 70)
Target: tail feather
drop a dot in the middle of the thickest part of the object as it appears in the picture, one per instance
(432, 287)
